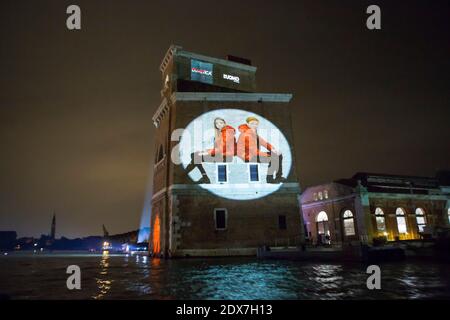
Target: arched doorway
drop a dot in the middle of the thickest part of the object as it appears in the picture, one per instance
(156, 236)
(421, 220)
(323, 229)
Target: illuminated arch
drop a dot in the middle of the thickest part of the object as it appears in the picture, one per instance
(322, 216)
(156, 235)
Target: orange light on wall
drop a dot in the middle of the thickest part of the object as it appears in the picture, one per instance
(156, 236)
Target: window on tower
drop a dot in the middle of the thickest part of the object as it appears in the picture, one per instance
(254, 173)
(282, 222)
(220, 218)
(159, 154)
(222, 173)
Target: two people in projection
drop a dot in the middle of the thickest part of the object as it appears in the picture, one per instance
(247, 147)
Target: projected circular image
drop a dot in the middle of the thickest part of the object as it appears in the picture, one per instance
(235, 154)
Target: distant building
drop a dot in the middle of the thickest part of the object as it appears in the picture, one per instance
(236, 197)
(368, 206)
(127, 237)
(53, 228)
(7, 240)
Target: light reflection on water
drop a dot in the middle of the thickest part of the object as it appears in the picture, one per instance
(103, 282)
(139, 277)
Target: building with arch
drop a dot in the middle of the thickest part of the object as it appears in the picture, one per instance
(224, 179)
(369, 206)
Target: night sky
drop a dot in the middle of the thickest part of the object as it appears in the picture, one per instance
(76, 106)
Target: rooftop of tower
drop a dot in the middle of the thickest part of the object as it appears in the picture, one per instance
(185, 71)
(230, 61)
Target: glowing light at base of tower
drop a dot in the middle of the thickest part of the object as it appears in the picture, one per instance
(156, 236)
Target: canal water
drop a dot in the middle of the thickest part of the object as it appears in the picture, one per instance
(43, 276)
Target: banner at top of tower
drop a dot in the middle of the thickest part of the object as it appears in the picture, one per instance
(191, 72)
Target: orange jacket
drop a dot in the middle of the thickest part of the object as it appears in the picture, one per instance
(225, 146)
(247, 145)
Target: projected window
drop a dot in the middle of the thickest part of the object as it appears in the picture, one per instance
(282, 222)
(222, 173)
(401, 221)
(349, 223)
(201, 71)
(381, 222)
(254, 172)
(235, 154)
(420, 219)
(220, 218)
(448, 213)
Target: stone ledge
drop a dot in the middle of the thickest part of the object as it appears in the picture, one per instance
(231, 96)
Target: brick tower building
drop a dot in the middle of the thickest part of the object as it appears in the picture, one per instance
(225, 181)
